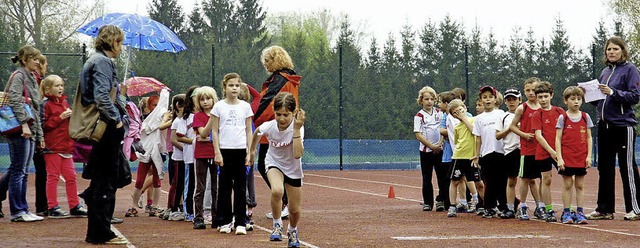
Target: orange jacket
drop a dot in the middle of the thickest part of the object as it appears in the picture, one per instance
(284, 80)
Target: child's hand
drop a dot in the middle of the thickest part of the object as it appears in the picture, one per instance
(252, 156)
(475, 162)
(529, 136)
(560, 164)
(299, 122)
(436, 148)
(66, 114)
(554, 156)
(247, 160)
(218, 160)
(589, 162)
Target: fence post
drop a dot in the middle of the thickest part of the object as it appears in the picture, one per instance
(466, 71)
(340, 99)
(84, 53)
(213, 65)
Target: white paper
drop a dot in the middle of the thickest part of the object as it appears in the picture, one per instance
(592, 92)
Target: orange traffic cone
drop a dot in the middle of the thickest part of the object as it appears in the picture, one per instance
(392, 194)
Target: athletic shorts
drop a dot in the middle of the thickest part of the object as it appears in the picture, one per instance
(287, 180)
(570, 171)
(529, 168)
(546, 164)
(512, 163)
(462, 167)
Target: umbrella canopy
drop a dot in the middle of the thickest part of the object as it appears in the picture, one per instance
(140, 32)
(138, 86)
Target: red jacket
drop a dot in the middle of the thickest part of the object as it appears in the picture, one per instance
(56, 130)
(284, 80)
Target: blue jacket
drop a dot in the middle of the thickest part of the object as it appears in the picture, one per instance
(97, 78)
(617, 109)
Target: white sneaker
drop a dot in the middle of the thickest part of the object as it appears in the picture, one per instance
(23, 217)
(241, 230)
(283, 215)
(631, 216)
(34, 216)
(176, 216)
(228, 228)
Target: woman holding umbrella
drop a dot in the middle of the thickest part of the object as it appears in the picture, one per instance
(98, 80)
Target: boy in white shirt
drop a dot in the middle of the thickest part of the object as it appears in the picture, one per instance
(511, 149)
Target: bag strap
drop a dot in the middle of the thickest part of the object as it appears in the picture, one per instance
(5, 99)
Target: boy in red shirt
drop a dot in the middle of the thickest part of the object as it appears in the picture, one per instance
(544, 123)
(573, 148)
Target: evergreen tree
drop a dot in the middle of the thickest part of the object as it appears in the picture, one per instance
(451, 45)
(167, 12)
(428, 55)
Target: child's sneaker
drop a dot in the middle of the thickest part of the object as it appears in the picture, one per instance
(132, 212)
(294, 241)
(489, 214)
(188, 218)
(631, 216)
(579, 218)
(198, 223)
(567, 218)
(228, 228)
(522, 213)
(453, 212)
(440, 206)
(595, 215)
(248, 222)
(481, 211)
(79, 211)
(176, 216)
(539, 213)
(57, 213)
(551, 216)
(472, 206)
(241, 230)
(276, 234)
(426, 207)
(462, 208)
(283, 215)
(509, 214)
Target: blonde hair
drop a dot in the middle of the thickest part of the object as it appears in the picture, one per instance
(202, 92)
(226, 79)
(426, 89)
(499, 99)
(276, 58)
(25, 52)
(244, 93)
(48, 83)
(455, 103)
(107, 38)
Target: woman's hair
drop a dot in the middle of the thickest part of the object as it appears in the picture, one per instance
(189, 106)
(284, 100)
(226, 79)
(25, 52)
(276, 58)
(572, 91)
(107, 38)
(460, 94)
(244, 93)
(426, 89)
(455, 103)
(205, 91)
(48, 83)
(177, 101)
(623, 47)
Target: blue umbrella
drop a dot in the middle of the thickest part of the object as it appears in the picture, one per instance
(140, 32)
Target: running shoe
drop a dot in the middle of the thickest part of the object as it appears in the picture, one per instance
(551, 216)
(283, 215)
(426, 207)
(631, 216)
(539, 213)
(509, 214)
(440, 206)
(522, 213)
(79, 211)
(579, 218)
(294, 241)
(453, 212)
(132, 212)
(595, 215)
(198, 223)
(57, 213)
(567, 218)
(117, 241)
(276, 233)
(241, 230)
(228, 228)
(489, 214)
(34, 216)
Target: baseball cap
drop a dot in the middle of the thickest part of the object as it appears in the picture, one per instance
(511, 91)
(488, 88)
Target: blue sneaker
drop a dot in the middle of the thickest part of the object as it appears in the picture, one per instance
(522, 213)
(276, 234)
(188, 218)
(580, 218)
(294, 241)
(567, 218)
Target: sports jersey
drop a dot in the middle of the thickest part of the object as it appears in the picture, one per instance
(511, 141)
(574, 139)
(429, 126)
(527, 147)
(545, 121)
(280, 153)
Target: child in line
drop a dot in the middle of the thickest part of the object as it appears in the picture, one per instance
(544, 123)
(573, 149)
(465, 151)
(283, 162)
(529, 172)
(187, 136)
(231, 124)
(204, 154)
(479, 106)
(58, 157)
(425, 128)
(252, 96)
(490, 153)
(442, 200)
(177, 181)
(511, 147)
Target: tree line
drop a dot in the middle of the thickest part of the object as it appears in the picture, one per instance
(380, 82)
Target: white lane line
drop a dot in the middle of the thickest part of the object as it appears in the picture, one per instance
(472, 237)
(301, 242)
(115, 230)
(364, 181)
(361, 192)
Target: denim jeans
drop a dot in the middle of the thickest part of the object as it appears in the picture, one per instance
(21, 153)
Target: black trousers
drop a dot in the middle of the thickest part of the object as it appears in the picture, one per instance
(262, 154)
(495, 183)
(41, 181)
(428, 162)
(100, 197)
(232, 177)
(190, 188)
(620, 142)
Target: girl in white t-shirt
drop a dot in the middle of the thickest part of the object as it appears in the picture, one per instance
(285, 135)
(230, 123)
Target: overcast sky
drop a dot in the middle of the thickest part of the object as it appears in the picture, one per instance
(580, 17)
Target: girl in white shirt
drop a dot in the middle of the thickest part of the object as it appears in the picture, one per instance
(283, 165)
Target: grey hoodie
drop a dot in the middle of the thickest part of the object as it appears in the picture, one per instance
(16, 88)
